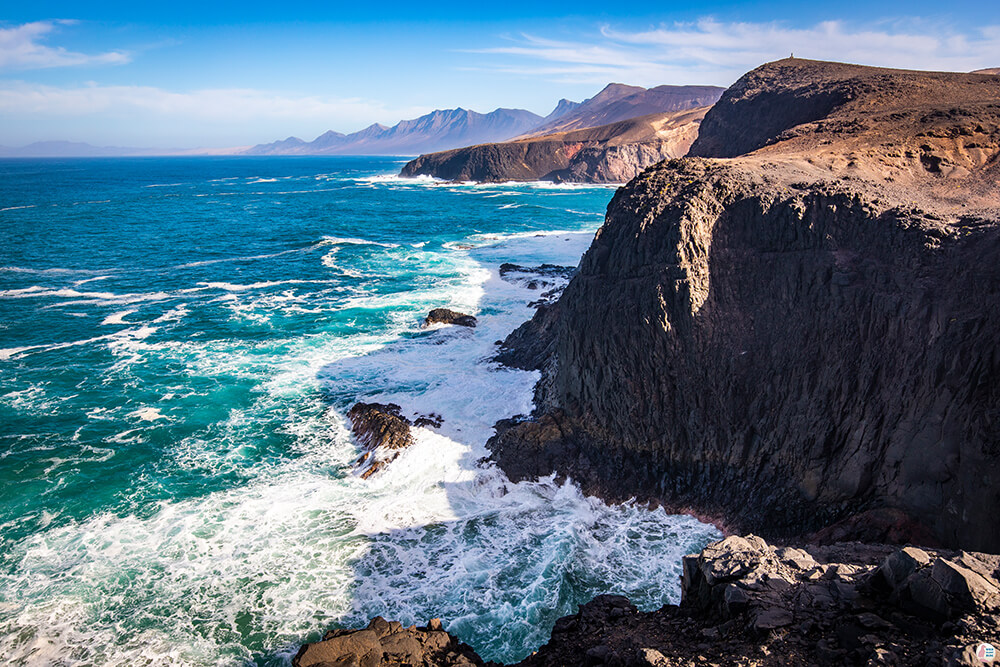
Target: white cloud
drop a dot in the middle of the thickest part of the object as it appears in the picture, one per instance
(710, 51)
(21, 48)
(155, 116)
(227, 104)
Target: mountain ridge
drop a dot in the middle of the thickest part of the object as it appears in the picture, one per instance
(618, 101)
(440, 129)
(652, 124)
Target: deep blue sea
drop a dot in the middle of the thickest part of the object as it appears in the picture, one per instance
(180, 339)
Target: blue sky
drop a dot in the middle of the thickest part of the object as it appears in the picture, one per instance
(182, 74)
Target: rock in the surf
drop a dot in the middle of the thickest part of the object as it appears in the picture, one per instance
(448, 316)
(381, 431)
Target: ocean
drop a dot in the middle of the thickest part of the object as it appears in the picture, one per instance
(180, 340)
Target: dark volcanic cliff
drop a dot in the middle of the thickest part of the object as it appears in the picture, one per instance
(612, 153)
(803, 334)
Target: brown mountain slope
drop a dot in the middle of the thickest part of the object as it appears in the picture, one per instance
(612, 153)
(619, 102)
(801, 336)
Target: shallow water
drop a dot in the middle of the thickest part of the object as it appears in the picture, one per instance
(179, 342)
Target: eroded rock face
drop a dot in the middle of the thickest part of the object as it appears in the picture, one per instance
(801, 335)
(448, 316)
(532, 345)
(384, 644)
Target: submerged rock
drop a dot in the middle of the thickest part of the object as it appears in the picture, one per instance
(447, 316)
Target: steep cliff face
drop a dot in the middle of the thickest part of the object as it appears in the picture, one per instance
(612, 153)
(803, 334)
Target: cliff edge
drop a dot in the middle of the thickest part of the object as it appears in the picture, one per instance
(795, 331)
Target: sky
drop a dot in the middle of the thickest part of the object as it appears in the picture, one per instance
(217, 74)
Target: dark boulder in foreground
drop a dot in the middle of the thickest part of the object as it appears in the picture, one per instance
(747, 602)
(380, 425)
(447, 316)
(384, 643)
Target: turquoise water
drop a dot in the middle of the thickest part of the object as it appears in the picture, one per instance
(179, 342)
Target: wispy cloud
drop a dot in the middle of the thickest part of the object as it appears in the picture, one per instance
(710, 51)
(165, 117)
(230, 104)
(21, 48)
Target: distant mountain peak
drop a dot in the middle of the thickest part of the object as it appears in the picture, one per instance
(563, 107)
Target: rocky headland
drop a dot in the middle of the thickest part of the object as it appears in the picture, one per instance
(612, 153)
(792, 331)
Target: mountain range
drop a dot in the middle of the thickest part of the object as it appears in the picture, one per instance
(81, 149)
(438, 130)
(456, 128)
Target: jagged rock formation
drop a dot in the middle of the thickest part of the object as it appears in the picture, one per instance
(618, 102)
(612, 153)
(746, 602)
(438, 130)
(448, 316)
(801, 335)
(381, 431)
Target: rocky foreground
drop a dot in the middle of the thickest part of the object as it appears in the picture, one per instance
(745, 602)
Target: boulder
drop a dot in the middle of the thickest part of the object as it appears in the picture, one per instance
(380, 425)
(381, 431)
(447, 316)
